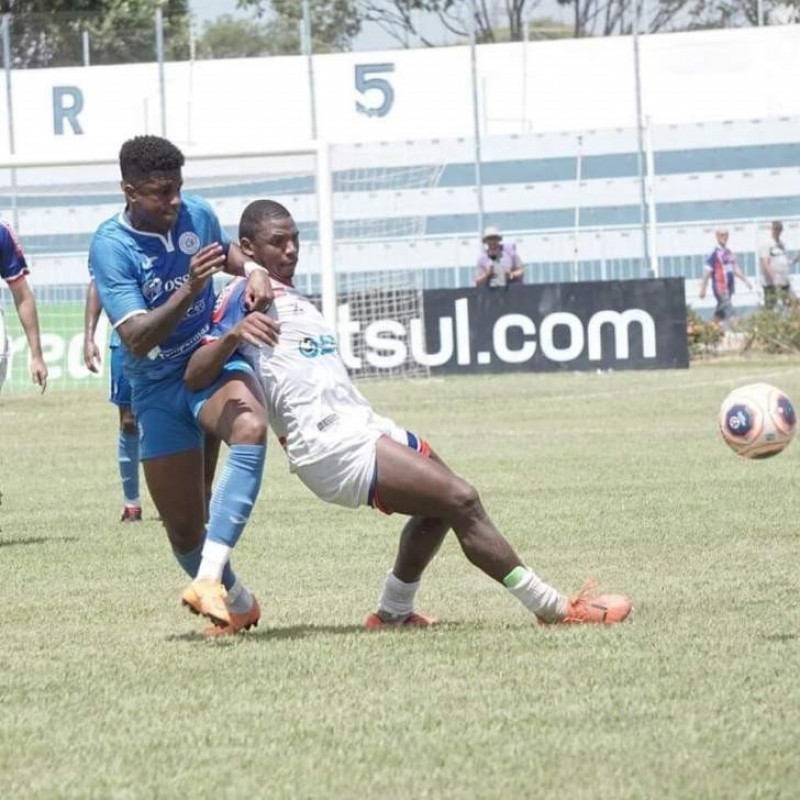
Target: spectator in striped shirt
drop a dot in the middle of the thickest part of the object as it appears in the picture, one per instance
(721, 271)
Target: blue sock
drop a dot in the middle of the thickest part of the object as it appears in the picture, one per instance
(236, 492)
(190, 563)
(128, 457)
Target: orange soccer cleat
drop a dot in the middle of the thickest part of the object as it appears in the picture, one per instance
(588, 607)
(375, 622)
(207, 598)
(238, 623)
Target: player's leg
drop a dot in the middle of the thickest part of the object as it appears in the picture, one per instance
(211, 447)
(411, 484)
(128, 460)
(127, 439)
(172, 457)
(232, 411)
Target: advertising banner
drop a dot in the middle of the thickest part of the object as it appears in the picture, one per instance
(634, 324)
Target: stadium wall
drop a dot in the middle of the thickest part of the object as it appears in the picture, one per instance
(259, 103)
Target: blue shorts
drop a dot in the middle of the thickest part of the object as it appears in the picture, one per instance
(164, 412)
(234, 364)
(120, 393)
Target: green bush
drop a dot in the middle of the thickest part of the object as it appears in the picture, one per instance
(774, 331)
(704, 335)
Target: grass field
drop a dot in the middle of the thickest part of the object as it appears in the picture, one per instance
(107, 691)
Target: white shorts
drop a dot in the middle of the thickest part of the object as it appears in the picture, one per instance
(347, 474)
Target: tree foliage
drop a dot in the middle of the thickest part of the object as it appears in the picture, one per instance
(49, 33)
(227, 37)
(334, 23)
(492, 21)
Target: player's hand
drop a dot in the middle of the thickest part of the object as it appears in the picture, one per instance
(258, 329)
(39, 373)
(205, 263)
(702, 294)
(258, 295)
(91, 355)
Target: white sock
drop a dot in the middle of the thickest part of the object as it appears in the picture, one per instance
(537, 596)
(215, 557)
(137, 503)
(397, 598)
(239, 598)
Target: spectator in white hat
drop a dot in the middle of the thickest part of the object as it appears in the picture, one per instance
(499, 265)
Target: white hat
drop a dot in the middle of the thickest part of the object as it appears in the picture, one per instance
(492, 233)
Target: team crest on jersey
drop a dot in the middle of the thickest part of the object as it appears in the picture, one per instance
(152, 289)
(189, 243)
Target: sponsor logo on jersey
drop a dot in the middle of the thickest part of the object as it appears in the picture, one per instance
(196, 309)
(323, 345)
(326, 422)
(153, 288)
(189, 243)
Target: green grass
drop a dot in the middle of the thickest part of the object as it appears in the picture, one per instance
(107, 691)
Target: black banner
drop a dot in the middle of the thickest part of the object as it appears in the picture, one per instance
(636, 324)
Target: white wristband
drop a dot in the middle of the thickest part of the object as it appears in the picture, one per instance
(250, 266)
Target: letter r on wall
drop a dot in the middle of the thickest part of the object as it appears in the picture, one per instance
(67, 104)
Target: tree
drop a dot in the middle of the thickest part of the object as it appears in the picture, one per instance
(402, 19)
(49, 33)
(334, 23)
(503, 20)
(227, 37)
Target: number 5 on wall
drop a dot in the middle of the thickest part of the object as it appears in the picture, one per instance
(364, 83)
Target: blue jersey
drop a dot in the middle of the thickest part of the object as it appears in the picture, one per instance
(113, 340)
(12, 259)
(136, 271)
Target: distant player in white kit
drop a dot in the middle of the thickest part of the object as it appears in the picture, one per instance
(348, 455)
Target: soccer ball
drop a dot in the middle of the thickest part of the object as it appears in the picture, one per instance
(757, 420)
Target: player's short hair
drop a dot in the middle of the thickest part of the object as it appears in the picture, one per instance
(144, 156)
(256, 213)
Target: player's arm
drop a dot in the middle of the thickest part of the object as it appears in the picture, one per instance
(206, 363)
(739, 273)
(259, 293)
(91, 316)
(25, 303)
(143, 330)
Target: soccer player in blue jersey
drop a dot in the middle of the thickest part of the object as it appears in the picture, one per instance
(13, 269)
(153, 265)
(120, 396)
(348, 455)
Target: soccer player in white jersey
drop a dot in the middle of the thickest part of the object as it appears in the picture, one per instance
(347, 454)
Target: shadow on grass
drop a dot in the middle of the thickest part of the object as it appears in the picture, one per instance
(780, 637)
(291, 632)
(37, 540)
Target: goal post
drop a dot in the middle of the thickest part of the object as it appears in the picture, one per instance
(56, 204)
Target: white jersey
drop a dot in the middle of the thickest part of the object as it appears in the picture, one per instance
(313, 406)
